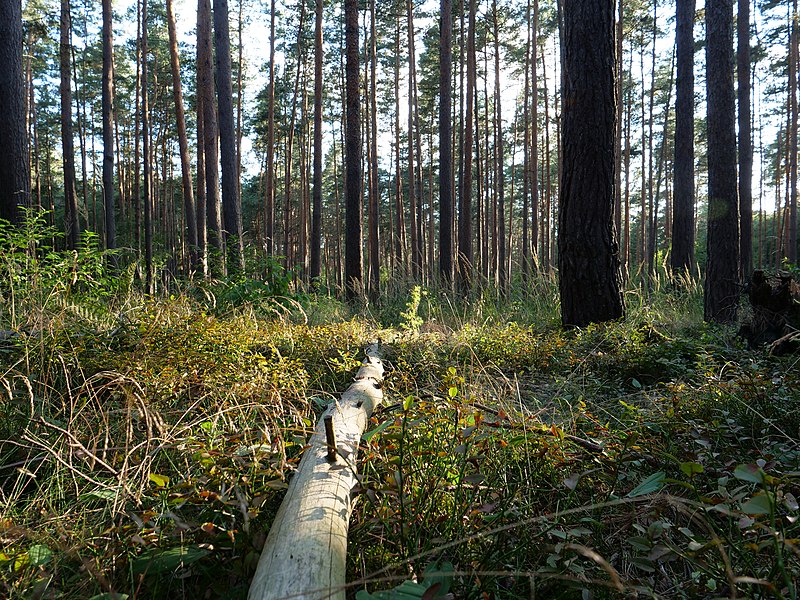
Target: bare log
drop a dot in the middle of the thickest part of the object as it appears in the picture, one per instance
(306, 548)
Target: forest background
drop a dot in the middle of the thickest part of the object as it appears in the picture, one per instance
(184, 215)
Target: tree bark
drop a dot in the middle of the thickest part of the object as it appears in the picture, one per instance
(745, 141)
(374, 192)
(14, 165)
(71, 221)
(205, 92)
(794, 45)
(413, 196)
(147, 184)
(465, 257)
(445, 141)
(231, 202)
(682, 257)
(183, 141)
(108, 130)
(306, 549)
(499, 163)
(722, 272)
(269, 184)
(354, 260)
(588, 252)
(316, 218)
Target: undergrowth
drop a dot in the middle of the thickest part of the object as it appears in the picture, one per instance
(146, 443)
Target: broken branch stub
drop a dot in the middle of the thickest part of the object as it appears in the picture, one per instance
(306, 548)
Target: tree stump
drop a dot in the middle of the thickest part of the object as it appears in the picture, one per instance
(775, 300)
(306, 548)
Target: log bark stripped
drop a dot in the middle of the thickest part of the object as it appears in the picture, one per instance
(306, 548)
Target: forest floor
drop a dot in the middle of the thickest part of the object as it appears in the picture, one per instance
(145, 444)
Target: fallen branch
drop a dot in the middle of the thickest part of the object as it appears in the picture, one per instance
(306, 548)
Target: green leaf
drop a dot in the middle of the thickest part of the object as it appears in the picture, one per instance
(155, 562)
(758, 505)
(99, 494)
(110, 596)
(159, 480)
(453, 391)
(370, 434)
(408, 402)
(651, 484)
(440, 574)
(751, 472)
(39, 555)
(691, 468)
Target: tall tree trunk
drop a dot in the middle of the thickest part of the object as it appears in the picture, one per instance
(400, 222)
(137, 204)
(71, 221)
(210, 136)
(445, 140)
(618, 134)
(527, 151)
(465, 259)
(652, 238)
(36, 181)
(269, 184)
(745, 141)
(722, 273)
(183, 141)
(231, 202)
(651, 200)
(14, 165)
(316, 218)
(413, 196)
(499, 158)
(202, 230)
(354, 278)
(239, 96)
(682, 257)
(794, 41)
(533, 166)
(147, 199)
(588, 256)
(108, 130)
(547, 255)
(287, 209)
(373, 216)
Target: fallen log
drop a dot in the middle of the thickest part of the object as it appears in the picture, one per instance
(306, 548)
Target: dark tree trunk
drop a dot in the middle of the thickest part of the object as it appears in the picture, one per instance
(108, 129)
(682, 257)
(147, 197)
(316, 217)
(205, 91)
(374, 192)
(202, 230)
(745, 141)
(414, 199)
(465, 258)
(269, 178)
(445, 141)
(794, 42)
(354, 278)
(14, 166)
(588, 252)
(183, 141)
(400, 222)
(722, 272)
(231, 203)
(499, 164)
(71, 222)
